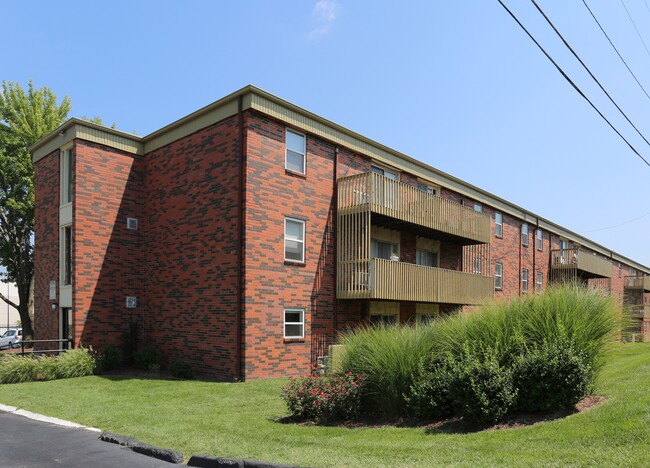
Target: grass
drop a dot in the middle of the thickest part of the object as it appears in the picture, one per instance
(238, 420)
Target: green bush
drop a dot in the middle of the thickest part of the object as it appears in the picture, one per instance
(551, 377)
(388, 357)
(110, 358)
(147, 358)
(481, 389)
(78, 362)
(429, 395)
(17, 369)
(181, 369)
(324, 397)
(48, 368)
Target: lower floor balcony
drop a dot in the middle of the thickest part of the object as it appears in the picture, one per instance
(398, 281)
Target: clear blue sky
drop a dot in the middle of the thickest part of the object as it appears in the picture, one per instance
(457, 85)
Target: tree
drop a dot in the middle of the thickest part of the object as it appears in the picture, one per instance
(25, 118)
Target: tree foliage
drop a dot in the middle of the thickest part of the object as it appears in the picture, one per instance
(25, 118)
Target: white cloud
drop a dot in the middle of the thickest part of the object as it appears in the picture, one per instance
(324, 13)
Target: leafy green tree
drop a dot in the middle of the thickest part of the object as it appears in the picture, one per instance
(25, 118)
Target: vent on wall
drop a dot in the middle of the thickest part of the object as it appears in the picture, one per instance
(131, 302)
(132, 223)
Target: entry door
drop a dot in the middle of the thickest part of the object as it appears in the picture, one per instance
(65, 327)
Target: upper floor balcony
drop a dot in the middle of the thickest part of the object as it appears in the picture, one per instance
(378, 278)
(584, 264)
(400, 205)
(638, 282)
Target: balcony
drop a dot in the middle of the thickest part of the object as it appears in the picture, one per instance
(403, 207)
(640, 311)
(580, 263)
(641, 283)
(398, 281)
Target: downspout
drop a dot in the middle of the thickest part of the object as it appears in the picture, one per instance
(335, 201)
(240, 248)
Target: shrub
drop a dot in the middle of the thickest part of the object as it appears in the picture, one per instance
(388, 357)
(181, 369)
(110, 358)
(17, 369)
(551, 377)
(481, 389)
(429, 395)
(77, 362)
(147, 358)
(48, 368)
(324, 398)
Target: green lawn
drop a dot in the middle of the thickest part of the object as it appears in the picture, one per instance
(238, 420)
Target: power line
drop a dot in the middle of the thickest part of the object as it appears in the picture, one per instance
(646, 5)
(635, 28)
(578, 90)
(619, 225)
(617, 52)
(589, 71)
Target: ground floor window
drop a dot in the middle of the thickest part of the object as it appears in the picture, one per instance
(294, 323)
(384, 313)
(425, 313)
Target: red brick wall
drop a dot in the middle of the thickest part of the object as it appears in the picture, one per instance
(107, 258)
(46, 244)
(192, 238)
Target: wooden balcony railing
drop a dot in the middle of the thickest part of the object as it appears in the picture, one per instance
(378, 194)
(640, 311)
(638, 282)
(584, 262)
(385, 279)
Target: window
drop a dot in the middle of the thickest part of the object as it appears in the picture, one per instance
(66, 176)
(498, 224)
(427, 188)
(540, 280)
(384, 313)
(382, 249)
(478, 207)
(564, 245)
(524, 235)
(426, 258)
(478, 266)
(66, 261)
(498, 276)
(426, 313)
(294, 240)
(524, 280)
(385, 172)
(540, 239)
(295, 157)
(294, 323)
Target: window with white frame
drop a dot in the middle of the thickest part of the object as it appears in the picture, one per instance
(498, 275)
(426, 258)
(385, 172)
(66, 176)
(524, 280)
(66, 255)
(498, 224)
(478, 207)
(540, 281)
(524, 235)
(294, 323)
(540, 239)
(478, 266)
(294, 240)
(296, 149)
(425, 187)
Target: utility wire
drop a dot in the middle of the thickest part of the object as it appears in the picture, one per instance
(636, 29)
(589, 71)
(578, 90)
(619, 225)
(646, 5)
(612, 44)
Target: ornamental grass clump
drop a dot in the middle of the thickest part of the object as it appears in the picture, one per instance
(388, 357)
(324, 398)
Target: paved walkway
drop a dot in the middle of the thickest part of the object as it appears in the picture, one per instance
(28, 443)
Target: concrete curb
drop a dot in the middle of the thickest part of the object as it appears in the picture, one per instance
(208, 461)
(171, 456)
(47, 419)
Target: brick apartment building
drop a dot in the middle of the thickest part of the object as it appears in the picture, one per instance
(244, 236)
